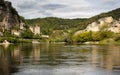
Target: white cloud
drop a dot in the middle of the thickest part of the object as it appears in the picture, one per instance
(61, 8)
(107, 0)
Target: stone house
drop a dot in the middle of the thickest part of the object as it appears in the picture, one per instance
(15, 32)
(22, 26)
(35, 29)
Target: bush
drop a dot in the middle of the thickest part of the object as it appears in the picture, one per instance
(106, 34)
(83, 37)
(96, 36)
(7, 34)
(37, 36)
(10, 39)
(92, 36)
(27, 34)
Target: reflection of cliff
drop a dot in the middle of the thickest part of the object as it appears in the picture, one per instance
(108, 58)
(4, 65)
(9, 59)
(113, 58)
(94, 56)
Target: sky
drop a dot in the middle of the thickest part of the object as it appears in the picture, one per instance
(63, 8)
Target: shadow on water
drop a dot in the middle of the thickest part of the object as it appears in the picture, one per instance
(59, 59)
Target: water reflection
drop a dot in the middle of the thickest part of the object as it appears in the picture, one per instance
(58, 59)
(9, 57)
(109, 58)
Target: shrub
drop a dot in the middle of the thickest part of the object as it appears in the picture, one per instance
(83, 37)
(27, 34)
(96, 36)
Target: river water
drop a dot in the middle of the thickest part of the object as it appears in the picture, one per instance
(59, 59)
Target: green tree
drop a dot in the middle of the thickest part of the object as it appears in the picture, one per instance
(106, 34)
(96, 36)
(27, 34)
(7, 33)
(83, 37)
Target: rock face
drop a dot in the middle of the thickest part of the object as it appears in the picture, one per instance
(107, 23)
(9, 17)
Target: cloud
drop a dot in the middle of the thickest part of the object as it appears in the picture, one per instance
(108, 0)
(26, 5)
(53, 6)
(63, 8)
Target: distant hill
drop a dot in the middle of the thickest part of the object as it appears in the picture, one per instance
(52, 23)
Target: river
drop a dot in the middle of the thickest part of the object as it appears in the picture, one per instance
(59, 59)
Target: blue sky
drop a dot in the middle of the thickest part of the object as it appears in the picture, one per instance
(63, 8)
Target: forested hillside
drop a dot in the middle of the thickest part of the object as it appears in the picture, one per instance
(53, 23)
(114, 13)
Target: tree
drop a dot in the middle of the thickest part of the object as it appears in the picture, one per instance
(27, 34)
(83, 37)
(96, 36)
(106, 34)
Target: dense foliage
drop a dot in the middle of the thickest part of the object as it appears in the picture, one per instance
(114, 13)
(52, 23)
(27, 34)
(92, 36)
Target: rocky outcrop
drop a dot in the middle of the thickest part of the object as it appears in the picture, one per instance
(9, 17)
(107, 23)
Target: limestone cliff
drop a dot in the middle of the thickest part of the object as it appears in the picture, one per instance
(106, 23)
(9, 17)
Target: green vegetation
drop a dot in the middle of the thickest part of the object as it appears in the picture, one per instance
(62, 30)
(52, 23)
(58, 36)
(27, 34)
(114, 13)
(92, 36)
(10, 39)
(7, 33)
(15, 40)
(83, 37)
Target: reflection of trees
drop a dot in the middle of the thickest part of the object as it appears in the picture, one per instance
(26, 49)
(12, 56)
(108, 58)
(50, 54)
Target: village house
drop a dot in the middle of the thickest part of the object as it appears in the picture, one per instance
(22, 26)
(15, 32)
(35, 29)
